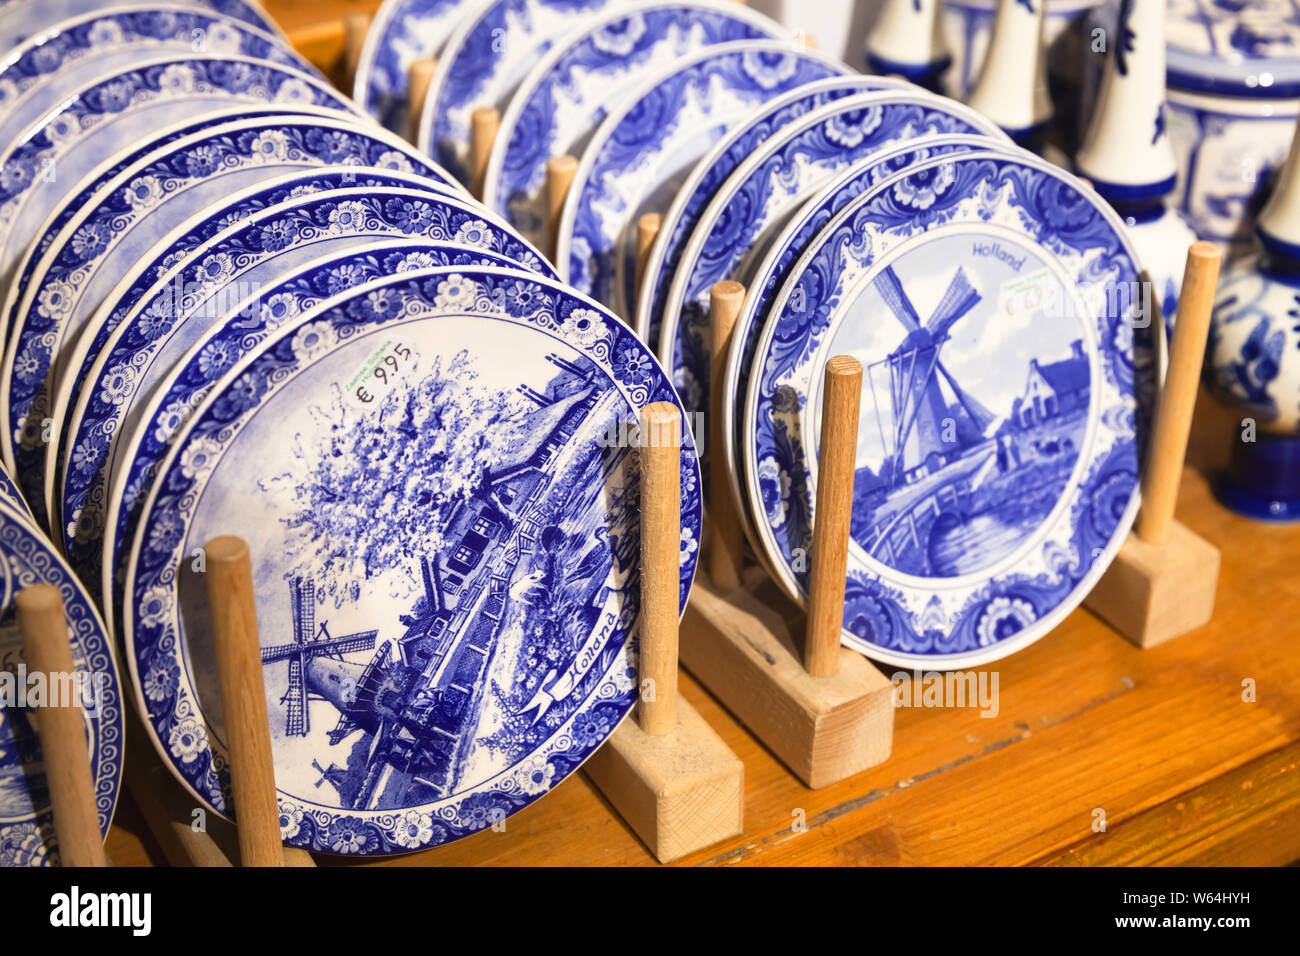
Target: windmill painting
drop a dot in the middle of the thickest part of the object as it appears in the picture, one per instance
(968, 436)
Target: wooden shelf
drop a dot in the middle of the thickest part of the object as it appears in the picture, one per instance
(1186, 771)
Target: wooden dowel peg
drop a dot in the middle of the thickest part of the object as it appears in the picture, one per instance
(243, 701)
(836, 463)
(726, 549)
(418, 77)
(355, 27)
(1173, 423)
(484, 123)
(62, 728)
(661, 546)
(560, 171)
(647, 230)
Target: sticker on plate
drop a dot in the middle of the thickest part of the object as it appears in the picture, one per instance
(381, 372)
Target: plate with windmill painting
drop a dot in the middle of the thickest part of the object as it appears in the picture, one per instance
(444, 526)
(989, 298)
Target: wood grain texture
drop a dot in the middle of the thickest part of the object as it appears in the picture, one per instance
(238, 655)
(726, 553)
(418, 77)
(484, 123)
(680, 792)
(647, 230)
(661, 547)
(560, 171)
(1162, 740)
(837, 451)
(47, 649)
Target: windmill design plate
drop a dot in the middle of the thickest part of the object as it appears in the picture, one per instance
(401, 32)
(782, 253)
(113, 229)
(747, 211)
(712, 171)
(437, 657)
(561, 102)
(166, 406)
(20, 19)
(647, 146)
(39, 73)
(26, 820)
(483, 62)
(147, 325)
(998, 449)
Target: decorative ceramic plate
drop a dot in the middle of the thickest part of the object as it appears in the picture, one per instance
(435, 659)
(168, 404)
(26, 820)
(113, 228)
(98, 120)
(646, 147)
(402, 32)
(483, 62)
(561, 102)
(766, 278)
(146, 325)
(20, 19)
(746, 212)
(11, 496)
(37, 75)
(712, 171)
(998, 447)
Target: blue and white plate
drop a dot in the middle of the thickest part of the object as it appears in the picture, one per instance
(562, 101)
(998, 447)
(54, 155)
(37, 75)
(712, 171)
(767, 276)
(11, 496)
(401, 33)
(733, 232)
(647, 146)
(183, 285)
(483, 62)
(436, 657)
(167, 405)
(20, 19)
(26, 819)
(112, 229)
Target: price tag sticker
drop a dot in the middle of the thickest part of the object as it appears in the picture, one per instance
(381, 373)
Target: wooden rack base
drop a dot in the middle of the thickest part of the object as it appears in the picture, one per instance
(680, 792)
(1154, 592)
(745, 646)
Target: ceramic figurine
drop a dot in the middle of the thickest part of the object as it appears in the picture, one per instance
(1012, 85)
(1252, 361)
(1233, 92)
(906, 40)
(967, 27)
(1127, 153)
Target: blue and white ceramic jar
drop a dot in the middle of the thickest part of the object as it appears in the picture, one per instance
(1233, 78)
(1253, 359)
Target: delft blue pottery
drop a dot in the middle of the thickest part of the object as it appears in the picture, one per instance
(712, 171)
(734, 231)
(645, 149)
(37, 75)
(26, 819)
(164, 408)
(401, 32)
(462, 648)
(563, 100)
(998, 449)
(483, 62)
(221, 259)
(112, 229)
(20, 19)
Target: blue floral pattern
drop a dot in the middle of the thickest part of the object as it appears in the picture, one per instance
(543, 752)
(26, 820)
(677, 119)
(899, 618)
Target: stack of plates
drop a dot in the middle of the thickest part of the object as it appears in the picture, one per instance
(234, 304)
